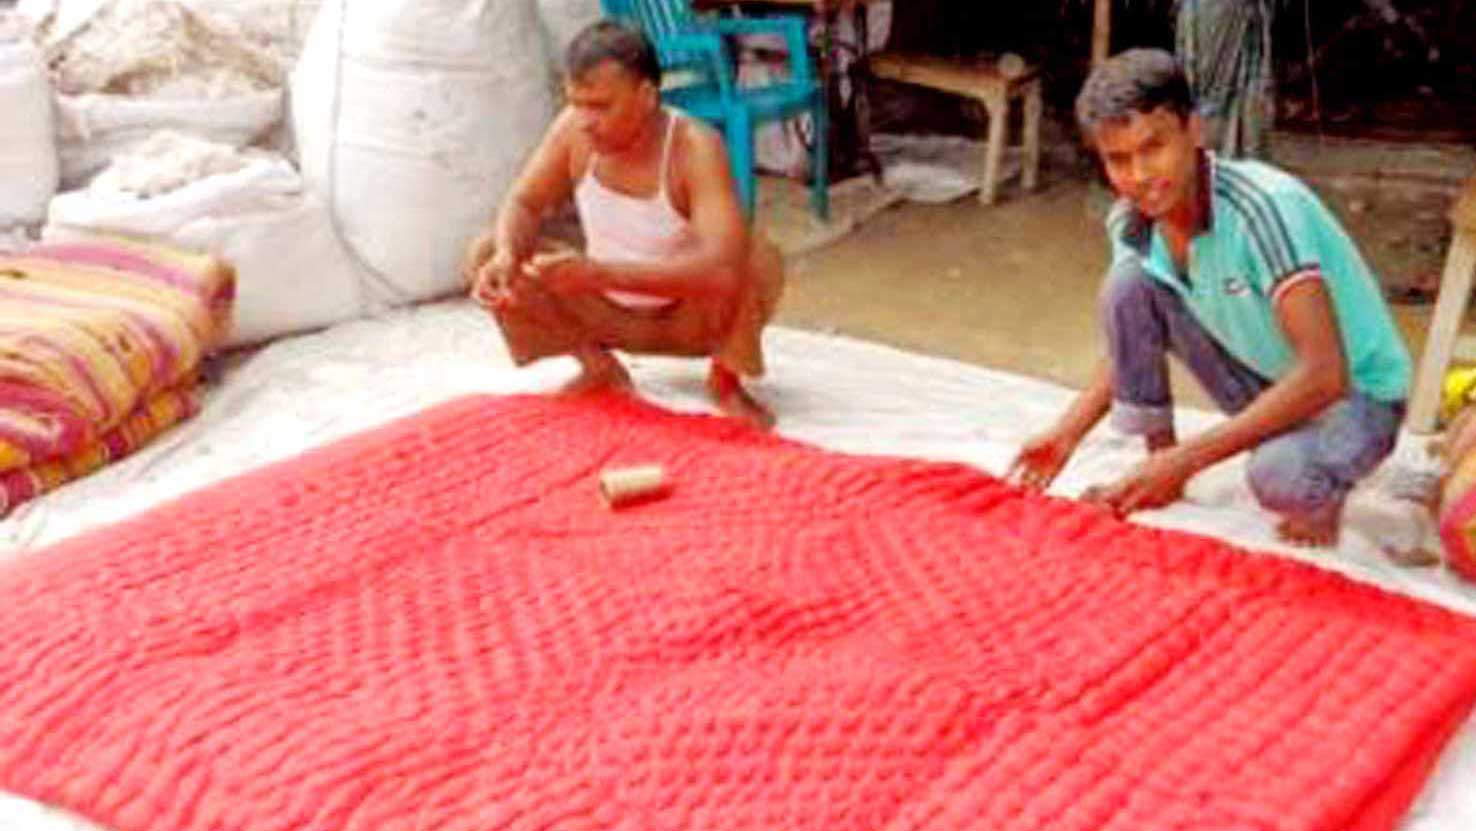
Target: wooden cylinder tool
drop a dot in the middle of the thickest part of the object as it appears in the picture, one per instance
(623, 486)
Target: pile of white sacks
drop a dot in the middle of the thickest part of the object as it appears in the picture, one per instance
(339, 154)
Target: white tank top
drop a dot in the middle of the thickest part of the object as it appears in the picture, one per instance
(620, 228)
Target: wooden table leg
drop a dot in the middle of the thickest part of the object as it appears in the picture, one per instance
(998, 107)
(1450, 310)
(1030, 176)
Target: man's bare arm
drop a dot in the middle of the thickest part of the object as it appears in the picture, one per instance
(722, 233)
(544, 183)
(1090, 405)
(1044, 455)
(1318, 378)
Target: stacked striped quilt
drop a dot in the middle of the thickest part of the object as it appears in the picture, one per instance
(100, 349)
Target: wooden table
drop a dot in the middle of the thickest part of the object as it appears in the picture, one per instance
(981, 81)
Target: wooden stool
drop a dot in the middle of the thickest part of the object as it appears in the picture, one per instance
(1443, 342)
(983, 82)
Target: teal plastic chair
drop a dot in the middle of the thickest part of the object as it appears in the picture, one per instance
(695, 47)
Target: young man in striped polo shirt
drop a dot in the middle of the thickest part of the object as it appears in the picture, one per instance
(1239, 271)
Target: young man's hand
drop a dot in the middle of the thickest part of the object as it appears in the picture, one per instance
(1041, 460)
(564, 273)
(1157, 482)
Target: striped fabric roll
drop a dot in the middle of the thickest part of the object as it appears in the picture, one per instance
(91, 335)
(159, 413)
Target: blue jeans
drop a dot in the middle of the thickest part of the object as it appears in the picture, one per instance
(1298, 471)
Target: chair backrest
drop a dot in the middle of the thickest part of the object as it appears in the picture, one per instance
(657, 18)
(674, 29)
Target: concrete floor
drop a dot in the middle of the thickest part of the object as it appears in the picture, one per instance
(1010, 287)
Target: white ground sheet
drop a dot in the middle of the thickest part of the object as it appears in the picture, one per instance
(842, 394)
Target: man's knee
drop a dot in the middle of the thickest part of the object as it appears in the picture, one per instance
(1357, 434)
(1284, 477)
(1127, 289)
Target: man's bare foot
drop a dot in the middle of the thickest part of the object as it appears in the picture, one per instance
(1318, 528)
(1095, 495)
(744, 407)
(598, 372)
(735, 402)
(1420, 556)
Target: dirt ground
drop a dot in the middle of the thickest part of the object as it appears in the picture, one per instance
(1013, 286)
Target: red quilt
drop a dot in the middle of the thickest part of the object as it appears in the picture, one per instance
(437, 625)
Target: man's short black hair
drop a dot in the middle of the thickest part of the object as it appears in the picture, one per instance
(609, 40)
(1134, 81)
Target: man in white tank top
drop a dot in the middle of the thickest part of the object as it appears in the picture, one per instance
(669, 266)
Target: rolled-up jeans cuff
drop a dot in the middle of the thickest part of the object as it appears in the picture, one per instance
(1142, 419)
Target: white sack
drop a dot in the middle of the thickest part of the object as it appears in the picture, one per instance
(251, 210)
(28, 163)
(412, 117)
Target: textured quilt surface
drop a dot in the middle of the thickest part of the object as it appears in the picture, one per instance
(437, 625)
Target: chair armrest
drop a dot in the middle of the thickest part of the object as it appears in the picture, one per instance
(792, 27)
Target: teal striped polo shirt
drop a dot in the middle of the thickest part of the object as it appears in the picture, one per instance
(1267, 231)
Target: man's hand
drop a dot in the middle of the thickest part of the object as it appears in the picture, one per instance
(478, 252)
(1157, 482)
(492, 282)
(564, 273)
(1041, 460)
(486, 270)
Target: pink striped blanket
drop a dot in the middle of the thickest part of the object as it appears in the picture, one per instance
(100, 343)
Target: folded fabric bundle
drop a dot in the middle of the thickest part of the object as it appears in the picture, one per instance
(151, 418)
(100, 344)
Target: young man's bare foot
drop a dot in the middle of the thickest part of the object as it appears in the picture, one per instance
(735, 402)
(599, 371)
(1314, 529)
(1161, 440)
